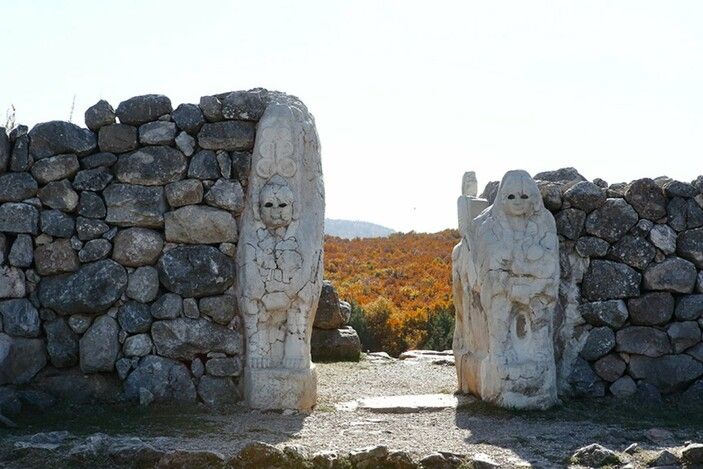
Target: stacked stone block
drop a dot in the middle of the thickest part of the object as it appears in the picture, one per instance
(333, 339)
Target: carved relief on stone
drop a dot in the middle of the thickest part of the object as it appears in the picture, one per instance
(506, 280)
(279, 259)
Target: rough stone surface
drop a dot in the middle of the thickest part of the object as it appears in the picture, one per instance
(188, 117)
(99, 346)
(692, 453)
(647, 198)
(196, 224)
(204, 165)
(55, 168)
(211, 107)
(134, 317)
(244, 105)
(92, 179)
(606, 280)
(643, 340)
(167, 380)
(11, 282)
(61, 343)
(138, 345)
(633, 251)
(20, 359)
(570, 223)
(612, 220)
(157, 133)
(228, 135)
(689, 307)
(142, 109)
(56, 258)
(185, 143)
(560, 175)
(133, 205)
(623, 387)
(585, 195)
(669, 373)
(689, 245)
(97, 160)
(599, 342)
(58, 137)
(651, 309)
(91, 205)
(22, 251)
(94, 250)
(168, 306)
(57, 223)
(683, 335)
(329, 315)
(226, 366)
(99, 115)
(59, 195)
(218, 392)
(590, 246)
(20, 318)
(673, 274)
(185, 192)
(610, 367)
(19, 218)
(135, 247)
(221, 309)
(227, 195)
(341, 344)
(151, 166)
(88, 228)
(664, 238)
(143, 284)
(595, 455)
(118, 138)
(184, 339)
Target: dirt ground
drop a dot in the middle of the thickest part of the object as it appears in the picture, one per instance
(514, 439)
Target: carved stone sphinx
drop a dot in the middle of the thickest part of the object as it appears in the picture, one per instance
(279, 260)
(505, 285)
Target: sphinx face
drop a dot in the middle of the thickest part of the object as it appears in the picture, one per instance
(518, 194)
(276, 206)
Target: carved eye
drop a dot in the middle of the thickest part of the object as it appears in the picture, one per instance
(283, 205)
(524, 196)
(268, 204)
(511, 196)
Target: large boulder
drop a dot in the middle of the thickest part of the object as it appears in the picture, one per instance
(673, 274)
(151, 166)
(612, 220)
(247, 105)
(329, 315)
(647, 198)
(184, 339)
(228, 135)
(197, 224)
(142, 109)
(72, 385)
(167, 380)
(651, 309)
(669, 373)
(185, 192)
(689, 245)
(608, 280)
(16, 187)
(92, 289)
(100, 346)
(642, 340)
(196, 271)
(20, 359)
(133, 205)
(98, 115)
(57, 137)
(335, 345)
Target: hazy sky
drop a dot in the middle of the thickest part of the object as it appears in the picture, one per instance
(407, 95)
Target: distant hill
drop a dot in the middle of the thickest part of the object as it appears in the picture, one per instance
(350, 229)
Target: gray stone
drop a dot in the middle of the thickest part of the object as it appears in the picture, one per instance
(61, 343)
(647, 198)
(123, 367)
(595, 455)
(590, 246)
(612, 220)
(583, 382)
(204, 165)
(341, 344)
(669, 373)
(184, 339)
(585, 195)
(551, 194)
(5, 150)
(157, 133)
(91, 290)
(185, 143)
(664, 238)
(224, 161)
(143, 284)
(648, 393)
(633, 251)
(97, 160)
(689, 245)
(221, 309)
(225, 366)
(137, 345)
(59, 195)
(328, 315)
(642, 340)
(92, 179)
(623, 387)
(20, 318)
(241, 166)
(21, 160)
(55, 258)
(694, 213)
(72, 385)
(217, 392)
(168, 306)
(196, 271)
(16, 187)
(151, 166)
(196, 224)
(211, 108)
(117, 138)
(185, 192)
(696, 352)
(79, 323)
(673, 274)
(689, 307)
(188, 117)
(3, 248)
(651, 309)
(692, 454)
(135, 247)
(20, 359)
(11, 282)
(58, 137)
(228, 135)
(244, 105)
(190, 308)
(22, 251)
(683, 335)
(142, 109)
(197, 368)
(684, 213)
(227, 195)
(610, 367)
(55, 168)
(168, 380)
(99, 346)
(679, 189)
(19, 218)
(10, 403)
(560, 175)
(91, 205)
(570, 223)
(88, 228)
(132, 205)
(600, 341)
(606, 280)
(134, 317)
(99, 115)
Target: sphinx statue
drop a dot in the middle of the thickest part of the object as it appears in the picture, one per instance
(505, 285)
(279, 260)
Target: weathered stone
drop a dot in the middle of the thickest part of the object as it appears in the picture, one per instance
(16, 187)
(560, 175)
(224, 161)
(211, 108)
(676, 213)
(648, 393)
(570, 223)
(664, 238)
(134, 317)
(328, 315)
(118, 138)
(91, 205)
(61, 343)
(139, 345)
(135, 247)
(97, 160)
(58, 137)
(142, 109)
(228, 135)
(167, 380)
(21, 160)
(55, 168)
(683, 335)
(222, 309)
(606, 280)
(612, 220)
(689, 245)
(651, 309)
(11, 282)
(595, 455)
(244, 105)
(226, 194)
(185, 143)
(610, 367)
(93, 289)
(185, 192)
(694, 393)
(204, 165)
(59, 195)
(217, 392)
(673, 274)
(55, 258)
(633, 251)
(5, 150)
(20, 359)
(692, 453)
(19, 218)
(689, 307)
(143, 285)
(341, 344)
(585, 195)
(679, 189)
(190, 308)
(88, 228)
(132, 205)
(643, 341)
(623, 387)
(241, 166)
(188, 117)
(72, 385)
(79, 323)
(195, 224)
(647, 198)
(157, 133)
(551, 194)
(20, 318)
(92, 179)
(583, 382)
(224, 366)
(99, 346)
(21, 253)
(600, 341)
(184, 339)
(99, 115)
(590, 246)
(694, 213)
(168, 306)
(669, 373)
(151, 166)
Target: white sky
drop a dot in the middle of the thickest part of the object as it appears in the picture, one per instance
(407, 94)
